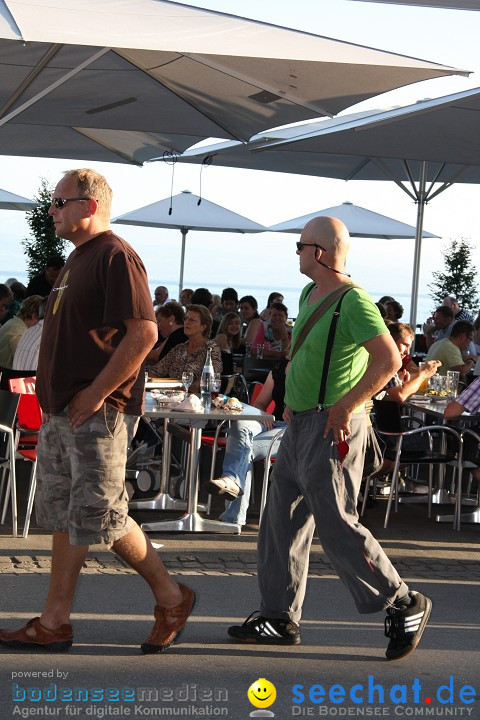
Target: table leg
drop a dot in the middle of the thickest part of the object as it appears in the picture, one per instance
(191, 521)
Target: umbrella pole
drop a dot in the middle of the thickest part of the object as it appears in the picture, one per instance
(184, 232)
(421, 201)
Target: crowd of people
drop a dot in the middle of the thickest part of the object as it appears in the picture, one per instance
(343, 351)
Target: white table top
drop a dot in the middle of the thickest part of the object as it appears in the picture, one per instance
(153, 410)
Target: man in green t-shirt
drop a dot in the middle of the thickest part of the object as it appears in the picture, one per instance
(318, 470)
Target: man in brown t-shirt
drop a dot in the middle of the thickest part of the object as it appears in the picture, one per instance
(99, 326)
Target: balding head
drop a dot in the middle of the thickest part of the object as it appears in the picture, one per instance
(331, 234)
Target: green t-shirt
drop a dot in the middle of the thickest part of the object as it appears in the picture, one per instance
(448, 354)
(359, 322)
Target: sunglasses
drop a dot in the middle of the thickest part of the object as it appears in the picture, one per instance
(61, 202)
(301, 245)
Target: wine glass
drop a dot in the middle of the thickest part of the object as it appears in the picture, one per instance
(187, 379)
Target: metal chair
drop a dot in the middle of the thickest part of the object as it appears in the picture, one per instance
(8, 413)
(29, 420)
(388, 422)
(473, 515)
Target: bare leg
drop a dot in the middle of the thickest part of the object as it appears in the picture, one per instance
(137, 550)
(67, 561)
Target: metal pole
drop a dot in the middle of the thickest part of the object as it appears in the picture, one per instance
(421, 201)
(184, 232)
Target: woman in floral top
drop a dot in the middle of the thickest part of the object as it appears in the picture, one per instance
(192, 354)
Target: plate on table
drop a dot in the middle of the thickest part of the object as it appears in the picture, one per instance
(163, 384)
(167, 397)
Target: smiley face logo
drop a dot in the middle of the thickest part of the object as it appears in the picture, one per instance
(262, 693)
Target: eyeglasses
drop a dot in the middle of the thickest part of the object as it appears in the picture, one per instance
(301, 245)
(61, 202)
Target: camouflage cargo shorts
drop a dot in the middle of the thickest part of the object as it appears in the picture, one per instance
(81, 477)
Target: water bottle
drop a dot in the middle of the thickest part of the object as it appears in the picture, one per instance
(207, 381)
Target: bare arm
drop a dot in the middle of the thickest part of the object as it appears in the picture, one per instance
(401, 392)
(265, 398)
(128, 356)
(252, 330)
(384, 361)
(453, 409)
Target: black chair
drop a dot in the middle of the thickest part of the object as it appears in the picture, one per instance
(256, 369)
(388, 422)
(7, 374)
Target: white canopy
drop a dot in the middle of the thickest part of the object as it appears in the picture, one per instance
(10, 201)
(433, 141)
(360, 222)
(154, 66)
(444, 4)
(185, 212)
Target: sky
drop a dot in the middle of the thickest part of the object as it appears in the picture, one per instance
(268, 261)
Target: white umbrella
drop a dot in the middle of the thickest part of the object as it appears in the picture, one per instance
(360, 222)
(185, 212)
(424, 148)
(10, 201)
(153, 66)
(444, 4)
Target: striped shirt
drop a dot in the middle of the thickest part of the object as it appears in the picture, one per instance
(470, 397)
(26, 354)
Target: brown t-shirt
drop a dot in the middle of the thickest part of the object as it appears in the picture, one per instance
(102, 284)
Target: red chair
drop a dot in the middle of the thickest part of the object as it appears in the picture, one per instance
(29, 420)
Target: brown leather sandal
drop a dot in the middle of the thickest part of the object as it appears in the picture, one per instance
(165, 633)
(58, 640)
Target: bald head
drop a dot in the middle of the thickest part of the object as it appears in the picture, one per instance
(330, 233)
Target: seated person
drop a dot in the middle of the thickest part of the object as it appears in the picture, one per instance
(401, 386)
(228, 304)
(394, 310)
(403, 383)
(192, 354)
(274, 333)
(439, 325)
(26, 354)
(12, 330)
(468, 400)
(229, 333)
(250, 317)
(186, 297)
(449, 349)
(247, 441)
(170, 319)
(5, 301)
(274, 297)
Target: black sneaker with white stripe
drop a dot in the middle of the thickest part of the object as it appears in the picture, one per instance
(266, 631)
(404, 625)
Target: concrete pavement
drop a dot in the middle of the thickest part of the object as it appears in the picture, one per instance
(207, 675)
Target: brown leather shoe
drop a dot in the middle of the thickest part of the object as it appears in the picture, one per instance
(39, 636)
(166, 633)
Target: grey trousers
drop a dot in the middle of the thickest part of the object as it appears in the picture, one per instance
(311, 487)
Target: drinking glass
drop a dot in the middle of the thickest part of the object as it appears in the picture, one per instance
(453, 378)
(260, 352)
(248, 349)
(187, 379)
(216, 384)
(424, 386)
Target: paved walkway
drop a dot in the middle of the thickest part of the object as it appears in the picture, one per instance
(420, 549)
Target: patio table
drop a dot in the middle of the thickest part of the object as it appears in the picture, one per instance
(436, 410)
(191, 521)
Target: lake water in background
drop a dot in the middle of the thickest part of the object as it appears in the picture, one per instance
(291, 294)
